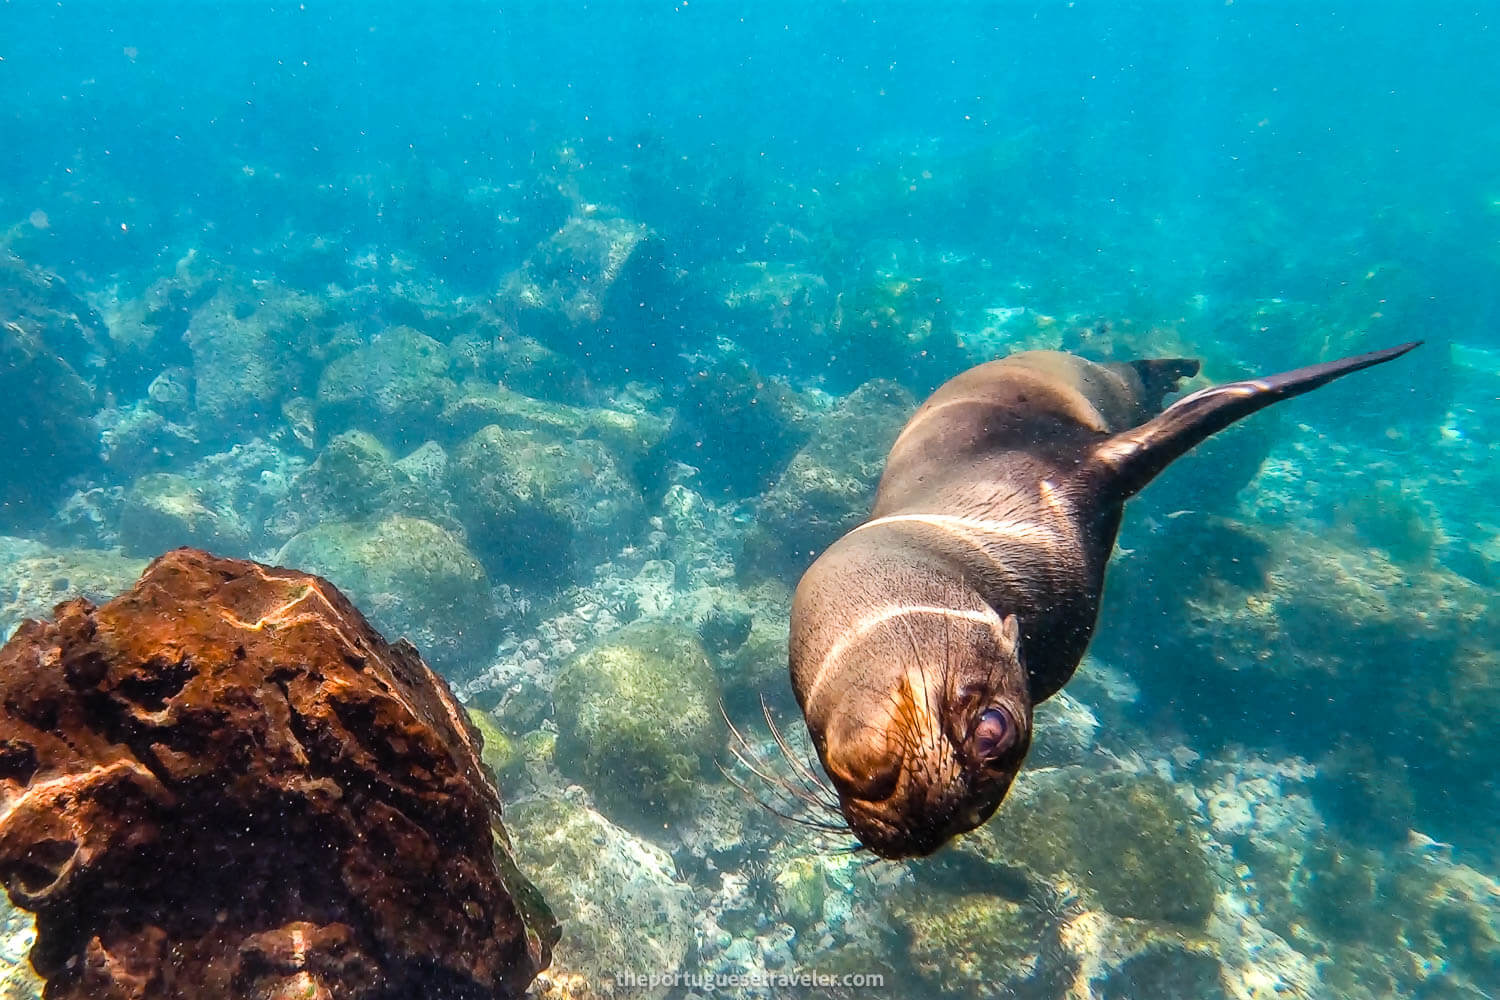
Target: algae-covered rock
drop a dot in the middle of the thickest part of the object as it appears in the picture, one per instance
(1124, 843)
(801, 891)
(1446, 914)
(637, 719)
(147, 330)
(35, 577)
(736, 427)
(536, 506)
(165, 510)
(1405, 922)
(498, 354)
(971, 945)
(413, 578)
(629, 434)
(575, 270)
(500, 754)
(1292, 629)
(355, 477)
(251, 347)
(829, 485)
(599, 291)
(792, 303)
(1109, 958)
(617, 897)
(892, 325)
(1063, 731)
(46, 341)
(395, 386)
(137, 438)
(18, 979)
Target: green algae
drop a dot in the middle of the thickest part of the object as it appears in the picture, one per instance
(500, 753)
(395, 386)
(538, 507)
(411, 577)
(637, 718)
(801, 891)
(1125, 843)
(972, 944)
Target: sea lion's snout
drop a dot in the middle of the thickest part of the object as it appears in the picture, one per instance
(939, 756)
(931, 793)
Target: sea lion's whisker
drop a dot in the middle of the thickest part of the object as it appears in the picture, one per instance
(776, 809)
(758, 767)
(812, 824)
(818, 799)
(802, 769)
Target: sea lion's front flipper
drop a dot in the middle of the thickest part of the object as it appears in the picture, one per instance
(1129, 460)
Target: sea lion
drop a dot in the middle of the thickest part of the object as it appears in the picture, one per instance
(922, 639)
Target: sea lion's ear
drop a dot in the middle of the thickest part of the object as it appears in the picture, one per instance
(1124, 463)
(1010, 632)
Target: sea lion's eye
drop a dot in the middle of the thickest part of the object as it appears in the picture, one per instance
(994, 733)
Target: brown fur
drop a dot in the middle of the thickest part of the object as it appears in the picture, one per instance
(1005, 492)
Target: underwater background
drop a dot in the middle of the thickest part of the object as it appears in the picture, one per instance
(562, 337)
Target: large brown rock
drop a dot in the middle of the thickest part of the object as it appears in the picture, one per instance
(225, 783)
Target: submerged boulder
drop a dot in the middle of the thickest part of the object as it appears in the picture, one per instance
(1085, 885)
(1405, 921)
(628, 433)
(599, 291)
(395, 387)
(736, 427)
(1123, 843)
(416, 578)
(971, 944)
(250, 349)
(829, 485)
(226, 783)
(637, 720)
(1291, 621)
(165, 510)
(356, 477)
(48, 339)
(538, 507)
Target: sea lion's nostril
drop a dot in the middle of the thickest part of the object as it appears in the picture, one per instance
(864, 763)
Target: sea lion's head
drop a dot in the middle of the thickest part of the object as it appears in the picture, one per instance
(929, 728)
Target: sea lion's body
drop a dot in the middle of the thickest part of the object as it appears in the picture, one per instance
(922, 639)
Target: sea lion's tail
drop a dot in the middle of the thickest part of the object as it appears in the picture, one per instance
(1131, 459)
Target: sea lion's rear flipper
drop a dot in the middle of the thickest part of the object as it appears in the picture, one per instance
(1129, 460)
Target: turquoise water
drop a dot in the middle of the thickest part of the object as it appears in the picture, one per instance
(563, 335)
